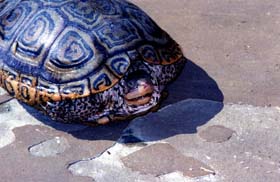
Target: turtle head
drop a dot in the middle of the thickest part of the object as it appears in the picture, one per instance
(139, 88)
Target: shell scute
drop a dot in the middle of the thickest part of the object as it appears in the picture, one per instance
(72, 57)
(118, 35)
(118, 65)
(102, 80)
(75, 89)
(32, 43)
(12, 21)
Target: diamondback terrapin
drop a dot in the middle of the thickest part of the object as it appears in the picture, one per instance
(85, 60)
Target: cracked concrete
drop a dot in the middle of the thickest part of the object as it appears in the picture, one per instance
(243, 157)
(168, 146)
(231, 81)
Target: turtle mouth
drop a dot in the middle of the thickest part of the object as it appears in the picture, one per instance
(140, 96)
(139, 89)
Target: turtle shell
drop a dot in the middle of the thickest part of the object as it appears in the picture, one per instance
(54, 50)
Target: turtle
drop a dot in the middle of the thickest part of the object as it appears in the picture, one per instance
(85, 61)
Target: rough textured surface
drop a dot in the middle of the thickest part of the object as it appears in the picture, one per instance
(109, 167)
(160, 159)
(216, 133)
(252, 154)
(19, 165)
(234, 51)
(13, 116)
(50, 148)
(252, 149)
(21, 130)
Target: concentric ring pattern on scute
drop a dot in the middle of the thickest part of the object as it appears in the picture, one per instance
(77, 47)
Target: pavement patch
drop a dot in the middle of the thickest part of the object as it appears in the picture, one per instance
(160, 159)
(216, 134)
(13, 116)
(50, 148)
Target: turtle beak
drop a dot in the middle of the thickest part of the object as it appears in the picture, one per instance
(139, 91)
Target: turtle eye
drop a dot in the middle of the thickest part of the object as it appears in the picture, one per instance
(131, 84)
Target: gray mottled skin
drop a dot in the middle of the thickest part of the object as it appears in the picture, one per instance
(111, 102)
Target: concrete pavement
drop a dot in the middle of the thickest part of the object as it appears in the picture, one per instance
(219, 123)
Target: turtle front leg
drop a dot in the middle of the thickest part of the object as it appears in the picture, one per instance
(100, 121)
(103, 120)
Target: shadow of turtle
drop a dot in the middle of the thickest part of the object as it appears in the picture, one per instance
(111, 131)
(193, 83)
(194, 99)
